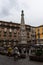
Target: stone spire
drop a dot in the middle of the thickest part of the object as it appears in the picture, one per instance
(23, 35)
(22, 17)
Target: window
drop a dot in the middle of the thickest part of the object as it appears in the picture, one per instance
(10, 24)
(4, 42)
(33, 36)
(38, 33)
(42, 32)
(27, 33)
(10, 30)
(14, 35)
(0, 23)
(10, 35)
(0, 35)
(38, 36)
(28, 36)
(5, 29)
(5, 34)
(5, 23)
(0, 32)
(29, 29)
(15, 31)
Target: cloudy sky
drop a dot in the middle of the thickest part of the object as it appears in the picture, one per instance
(10, 10)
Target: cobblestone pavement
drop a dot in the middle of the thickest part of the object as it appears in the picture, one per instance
(5, 60)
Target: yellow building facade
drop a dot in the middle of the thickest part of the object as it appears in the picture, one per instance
(39, 34)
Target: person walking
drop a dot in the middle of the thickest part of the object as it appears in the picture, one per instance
(9, 51)
(16, 53)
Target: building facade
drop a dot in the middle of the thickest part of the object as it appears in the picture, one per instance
(39, 34)
(12, 34)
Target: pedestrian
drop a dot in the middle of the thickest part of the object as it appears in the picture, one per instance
(16, 53)
(9, 51)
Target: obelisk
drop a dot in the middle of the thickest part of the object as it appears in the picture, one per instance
(23, 34)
